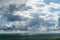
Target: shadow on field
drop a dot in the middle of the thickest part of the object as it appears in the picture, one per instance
(30, 38)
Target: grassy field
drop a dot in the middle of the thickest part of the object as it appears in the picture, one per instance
(30, 37)
(48, 38)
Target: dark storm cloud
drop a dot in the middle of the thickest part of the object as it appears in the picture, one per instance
(11, 17)
(36, 21)
(12, 7)
(8, 11)
(22, 7)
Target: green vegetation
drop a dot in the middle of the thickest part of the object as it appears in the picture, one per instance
(53, 38)
(31, 37)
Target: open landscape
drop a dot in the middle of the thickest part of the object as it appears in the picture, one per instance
(30, 37)
(29, 19)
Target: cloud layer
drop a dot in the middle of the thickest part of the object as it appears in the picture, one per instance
(30, 15)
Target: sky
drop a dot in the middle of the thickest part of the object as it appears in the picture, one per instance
(30, 15)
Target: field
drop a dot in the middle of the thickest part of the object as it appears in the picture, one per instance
(30, 37)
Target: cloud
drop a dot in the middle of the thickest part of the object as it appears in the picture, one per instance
(29, 15)
(35, 21)
(11, 17)
(54, 5)
(49, 1)
(23, 7)
(12, 7)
